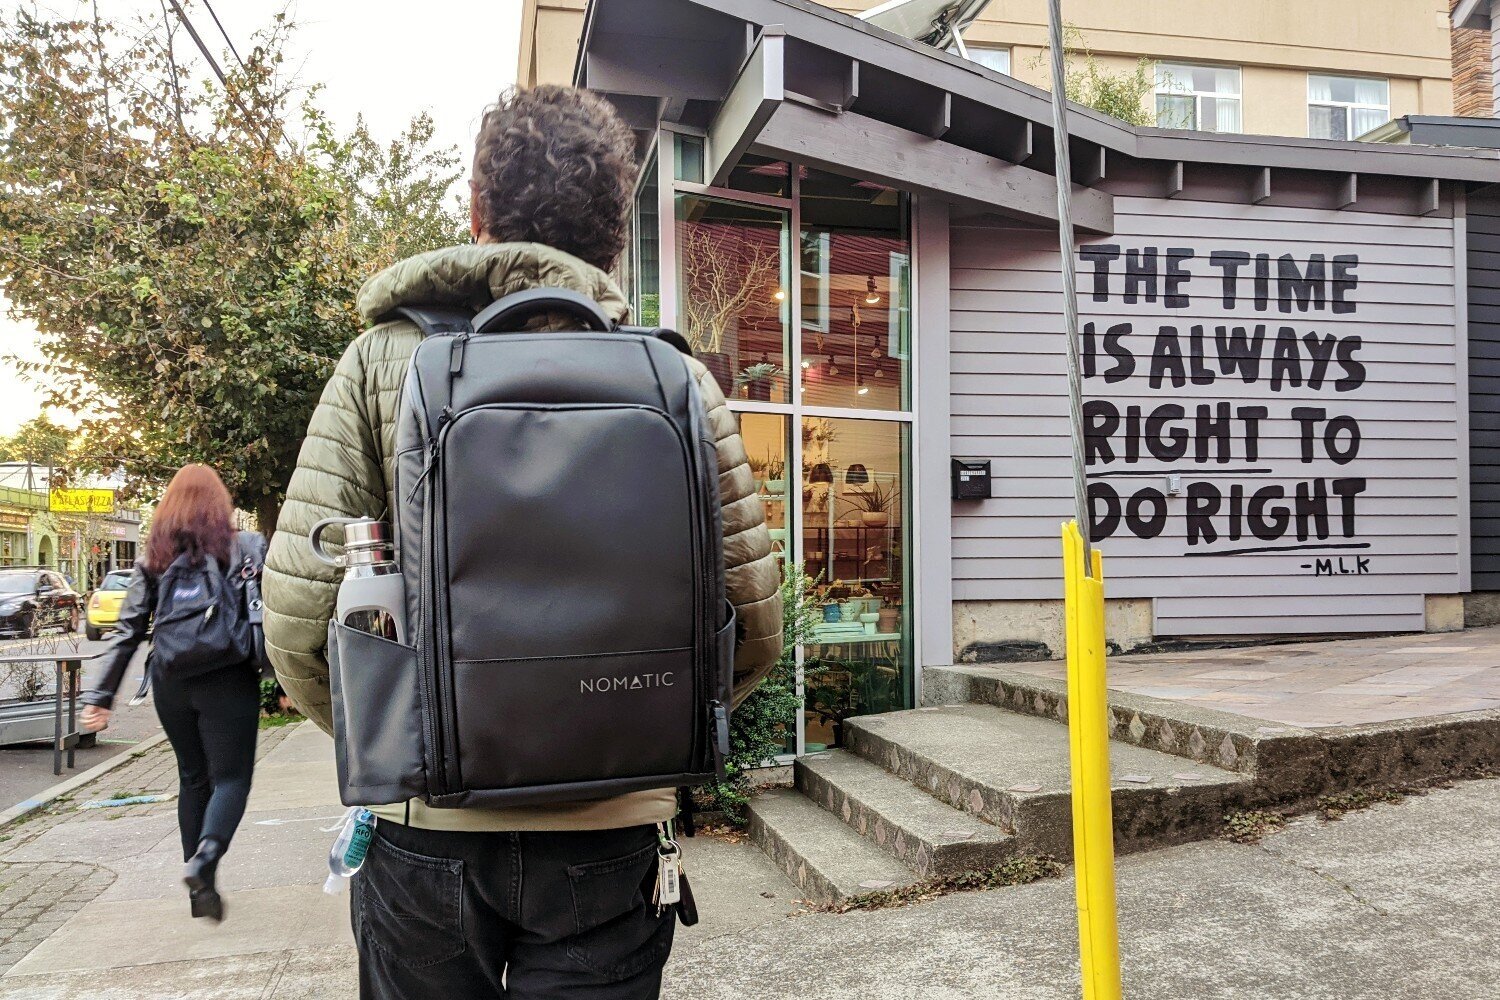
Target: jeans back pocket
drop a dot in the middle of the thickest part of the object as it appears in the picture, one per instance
(619, 932)
(410, 907)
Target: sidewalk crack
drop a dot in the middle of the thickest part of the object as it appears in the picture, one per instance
(1313, 869)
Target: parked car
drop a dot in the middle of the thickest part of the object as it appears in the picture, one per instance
(104, 603)
(35, 599)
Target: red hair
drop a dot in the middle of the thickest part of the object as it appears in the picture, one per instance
(196, 515)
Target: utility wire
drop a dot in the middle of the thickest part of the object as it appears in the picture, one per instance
(218, 72)
(1064, 171)
(227, 40)
(198, 41)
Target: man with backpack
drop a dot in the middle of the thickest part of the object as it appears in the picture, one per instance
(575, 605)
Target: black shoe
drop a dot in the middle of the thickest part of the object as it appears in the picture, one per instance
(206, 903)
(202, 868)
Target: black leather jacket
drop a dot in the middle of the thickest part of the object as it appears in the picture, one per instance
(135, 621)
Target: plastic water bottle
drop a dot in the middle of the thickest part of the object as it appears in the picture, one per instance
(372, 597)
(347, 855)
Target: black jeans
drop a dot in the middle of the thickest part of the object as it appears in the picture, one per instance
(211, 720)
(509, 916)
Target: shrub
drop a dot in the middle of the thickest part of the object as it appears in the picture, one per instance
(759, 727)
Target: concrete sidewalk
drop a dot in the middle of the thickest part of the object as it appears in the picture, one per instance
(1392, 903)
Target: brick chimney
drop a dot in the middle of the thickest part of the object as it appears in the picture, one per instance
(1473, 59)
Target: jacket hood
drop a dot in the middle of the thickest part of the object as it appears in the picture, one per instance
(474, 276)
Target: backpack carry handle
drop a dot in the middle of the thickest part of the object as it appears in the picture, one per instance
(315, 539)
(511, 313)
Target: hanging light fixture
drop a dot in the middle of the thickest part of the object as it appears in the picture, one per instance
(872, 297)
(820, 473)
(833, 365)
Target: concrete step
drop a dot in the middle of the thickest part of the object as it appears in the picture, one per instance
(1012, 771)
(930, 836)
(827, 860)
(1287, 763)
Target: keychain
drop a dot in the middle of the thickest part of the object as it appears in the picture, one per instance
(672, 888)
(668, 870)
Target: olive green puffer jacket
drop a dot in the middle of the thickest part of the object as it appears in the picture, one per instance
(347, 469)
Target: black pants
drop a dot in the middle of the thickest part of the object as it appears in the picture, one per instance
(509, 916)
(211, 720)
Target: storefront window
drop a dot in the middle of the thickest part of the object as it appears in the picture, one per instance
(766, 442)
(759, 175)
(832, 459)
(732, 298)
(13, 550)
(688, 158)
(856, 294)
(645, 270)
(855, 546)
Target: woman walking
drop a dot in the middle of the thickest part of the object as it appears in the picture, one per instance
(210, 711)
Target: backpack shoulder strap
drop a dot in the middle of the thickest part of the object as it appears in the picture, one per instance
(661, 333)
(435, 321)
(248, 553)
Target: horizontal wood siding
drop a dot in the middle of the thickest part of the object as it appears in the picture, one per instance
(1009, 404)
(1484, 387)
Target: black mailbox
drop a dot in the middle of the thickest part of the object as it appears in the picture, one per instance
(971, 479)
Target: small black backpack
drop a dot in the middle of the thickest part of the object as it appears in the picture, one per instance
(558, 529)
(198, 624)
(207, 617)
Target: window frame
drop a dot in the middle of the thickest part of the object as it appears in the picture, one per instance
(1348, 106)
(1158, 91)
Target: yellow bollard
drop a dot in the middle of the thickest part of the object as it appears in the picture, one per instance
(1088, 738)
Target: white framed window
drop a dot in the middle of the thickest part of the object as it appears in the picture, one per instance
(1346, 107)
(996, 57)
(1198, 97)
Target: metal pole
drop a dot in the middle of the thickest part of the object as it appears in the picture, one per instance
(1069, 266)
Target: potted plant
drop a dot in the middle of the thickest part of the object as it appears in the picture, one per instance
(839, 689)
(758, 470)
(875, 503)
(776, 477)
(755, 381)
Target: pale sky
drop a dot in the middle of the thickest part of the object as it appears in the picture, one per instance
(387, 59)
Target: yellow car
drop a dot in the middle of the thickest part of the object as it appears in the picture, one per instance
(104, 604)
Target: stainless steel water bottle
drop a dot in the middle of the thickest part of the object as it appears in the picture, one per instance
(372, 597)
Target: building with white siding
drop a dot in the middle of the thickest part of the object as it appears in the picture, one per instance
(857, 232)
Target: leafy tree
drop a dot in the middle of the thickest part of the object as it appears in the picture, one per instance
(38, 441)
(1126, 95)
(190, 263)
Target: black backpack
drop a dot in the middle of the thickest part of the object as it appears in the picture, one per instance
(198, 624)
(558, 531)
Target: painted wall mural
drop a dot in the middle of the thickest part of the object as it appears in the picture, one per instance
(1250, 347)
(1275, 403)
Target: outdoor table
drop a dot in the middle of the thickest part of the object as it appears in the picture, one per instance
(68, 667)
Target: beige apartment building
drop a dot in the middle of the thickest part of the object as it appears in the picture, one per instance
(1324, 68)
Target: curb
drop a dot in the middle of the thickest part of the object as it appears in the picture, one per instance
(20, 809)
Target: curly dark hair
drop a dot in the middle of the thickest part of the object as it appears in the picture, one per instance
(556, 165)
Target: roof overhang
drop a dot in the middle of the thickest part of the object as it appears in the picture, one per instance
(1472, 14)
(1439, 130)
(793, 78)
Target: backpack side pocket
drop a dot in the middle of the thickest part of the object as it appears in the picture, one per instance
(377, 717)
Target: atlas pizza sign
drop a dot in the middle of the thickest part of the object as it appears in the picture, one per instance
(81, 501)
